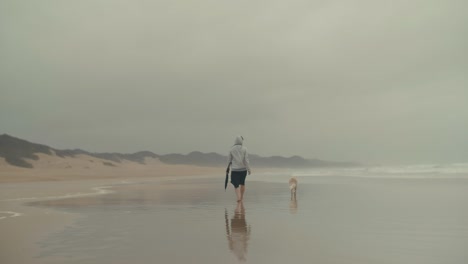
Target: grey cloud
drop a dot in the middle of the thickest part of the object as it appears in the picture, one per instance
(357, 80)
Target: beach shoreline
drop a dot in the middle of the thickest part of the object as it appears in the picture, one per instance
(358, 220)
(24, 226)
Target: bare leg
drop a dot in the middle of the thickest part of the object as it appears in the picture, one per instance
(242, 190)
(239, 194)
(240, 210)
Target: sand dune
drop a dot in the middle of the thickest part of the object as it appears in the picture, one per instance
(53, 167)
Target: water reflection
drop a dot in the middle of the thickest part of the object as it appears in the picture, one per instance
(237, 232)
(293, 204)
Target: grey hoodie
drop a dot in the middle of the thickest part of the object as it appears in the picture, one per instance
(239, 156)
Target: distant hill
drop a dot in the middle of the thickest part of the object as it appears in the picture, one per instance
(215, 159)
(16, 150)
(195, 158)
(296, 162)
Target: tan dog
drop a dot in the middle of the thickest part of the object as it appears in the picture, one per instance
(293, 185)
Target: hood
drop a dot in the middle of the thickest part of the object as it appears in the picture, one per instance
(239, 140)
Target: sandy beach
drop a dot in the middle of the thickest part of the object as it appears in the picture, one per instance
(54, 178)
(84, 167)
(193, 220)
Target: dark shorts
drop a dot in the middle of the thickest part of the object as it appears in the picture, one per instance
(238, 178)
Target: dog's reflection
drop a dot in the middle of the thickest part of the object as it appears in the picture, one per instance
(293, 204)
(293, 188)
(237, 232)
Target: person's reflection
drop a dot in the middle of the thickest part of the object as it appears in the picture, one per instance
(293, 204)
(238, 232)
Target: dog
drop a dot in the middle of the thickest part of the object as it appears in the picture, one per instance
(293, 185)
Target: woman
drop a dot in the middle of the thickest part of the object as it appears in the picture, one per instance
(239, 160)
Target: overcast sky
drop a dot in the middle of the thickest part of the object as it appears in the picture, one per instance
(351, 80)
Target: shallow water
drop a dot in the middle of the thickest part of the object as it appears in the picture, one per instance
(332, 220)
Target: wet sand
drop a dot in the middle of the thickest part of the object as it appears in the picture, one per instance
(193, 220)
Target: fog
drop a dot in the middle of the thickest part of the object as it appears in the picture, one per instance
(365, 81)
